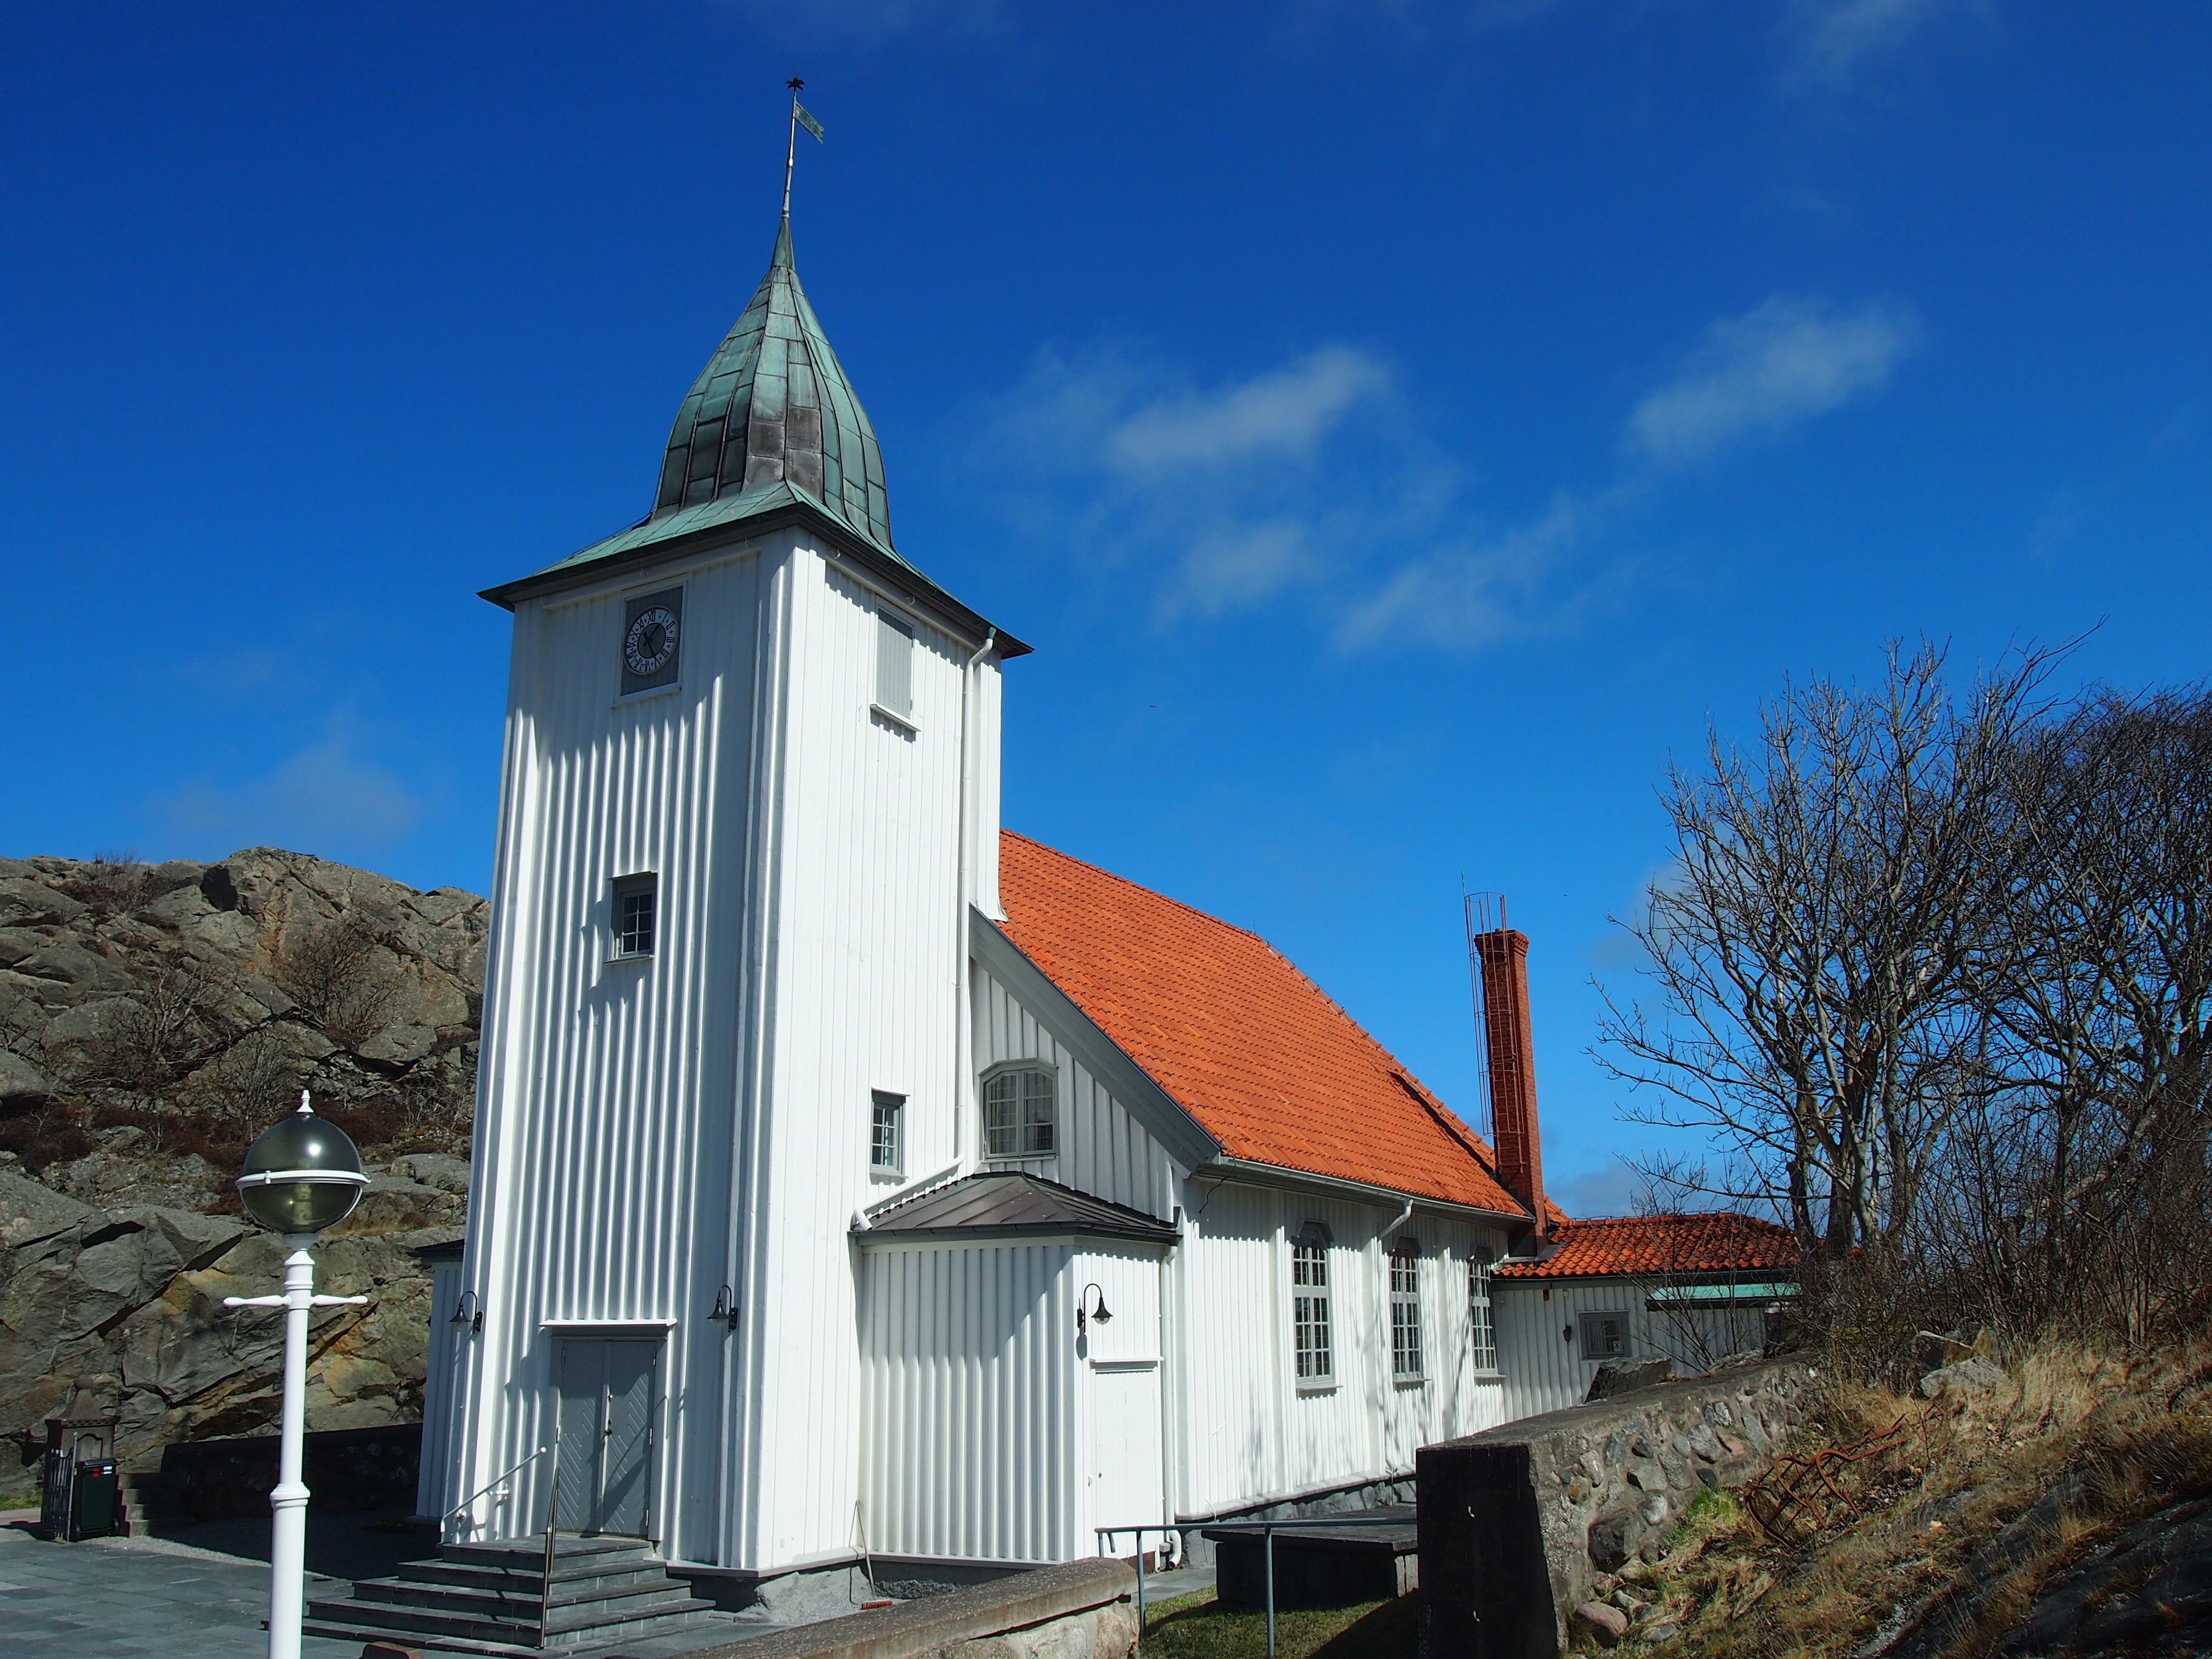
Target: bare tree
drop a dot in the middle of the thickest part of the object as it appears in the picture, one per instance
(2079, 1191)
(1812, 947)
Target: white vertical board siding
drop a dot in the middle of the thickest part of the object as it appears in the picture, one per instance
(434, 1479)
(968, 1439)
(1099, 1148)
(607, 1105)
(1546, 1372)
(1247, 1433)
(865, 973)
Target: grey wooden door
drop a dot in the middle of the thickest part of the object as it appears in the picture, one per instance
(606, 1471)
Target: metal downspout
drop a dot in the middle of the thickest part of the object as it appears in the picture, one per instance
(963, 1037)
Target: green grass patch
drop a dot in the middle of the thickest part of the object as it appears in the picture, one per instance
(1200, 1627)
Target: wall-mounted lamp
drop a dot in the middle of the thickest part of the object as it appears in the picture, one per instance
(468, 1313)
(1567, 1334)
(726, 1307)
(1098, 1316)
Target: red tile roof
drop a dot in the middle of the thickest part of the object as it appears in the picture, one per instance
(1251, 1047)
(1716, 1242)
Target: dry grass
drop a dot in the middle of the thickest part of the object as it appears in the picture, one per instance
(1952, 1532)
(1199, 1627)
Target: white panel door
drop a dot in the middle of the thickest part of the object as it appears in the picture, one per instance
(1125, 1449)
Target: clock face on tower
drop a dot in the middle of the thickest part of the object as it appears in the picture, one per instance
(653, 632)
(651, 642)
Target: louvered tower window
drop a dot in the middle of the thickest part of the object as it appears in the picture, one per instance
(894, 665)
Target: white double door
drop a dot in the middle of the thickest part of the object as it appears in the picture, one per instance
(604, 1475)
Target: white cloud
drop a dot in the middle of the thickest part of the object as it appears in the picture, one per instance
(1467, 597)
(1235, 493)
(1785, 362)
(1830, 42)
(1613, 1188)
(1285, 411)
(326, 799)
(1242, 564)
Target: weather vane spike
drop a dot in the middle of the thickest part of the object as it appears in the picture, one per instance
(799, 117)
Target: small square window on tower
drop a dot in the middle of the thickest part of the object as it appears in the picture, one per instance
(894, 665)
(886, 1137)
(637, 916)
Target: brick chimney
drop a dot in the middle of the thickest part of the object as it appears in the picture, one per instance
(1504, 954)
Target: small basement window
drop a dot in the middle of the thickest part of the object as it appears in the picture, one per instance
(637, 916)
(1017, 1112)
(886, 1146)
(1406, 1309)
(1605, 1336)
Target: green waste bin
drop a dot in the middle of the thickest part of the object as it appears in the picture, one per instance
(92, 1497)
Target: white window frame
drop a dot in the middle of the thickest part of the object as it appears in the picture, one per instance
(1590, 1322)
(1402, 1265)
(622, 938)
(1021, 1130)
(1481, 1313)
(886, 1109)
(1313, 1346)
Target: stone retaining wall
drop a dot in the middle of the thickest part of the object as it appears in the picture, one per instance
(1516, 1523)
(1078, 1610)
(345, 1468)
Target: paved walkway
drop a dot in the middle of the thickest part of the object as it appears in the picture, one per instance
(148, 1596)
(203, 1592)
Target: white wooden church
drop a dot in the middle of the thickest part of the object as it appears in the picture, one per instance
(852, 1173)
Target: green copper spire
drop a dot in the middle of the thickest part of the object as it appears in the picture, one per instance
(772, 405)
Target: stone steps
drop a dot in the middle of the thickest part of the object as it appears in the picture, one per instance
(147, 1504)
(491, 1598)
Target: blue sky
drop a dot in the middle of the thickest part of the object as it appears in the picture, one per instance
(1400, 427)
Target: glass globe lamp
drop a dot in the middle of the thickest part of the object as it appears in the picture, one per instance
(302, 1175)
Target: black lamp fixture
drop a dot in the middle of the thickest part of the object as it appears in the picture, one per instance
(468, 1313)
(1566, 1333)
(302, 1175)
(1097, 1315)
(726, 1307)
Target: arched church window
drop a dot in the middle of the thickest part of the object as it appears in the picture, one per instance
(1019, 1106)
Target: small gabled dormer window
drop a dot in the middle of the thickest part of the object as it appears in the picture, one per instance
(1019, 1101)
(637, 916)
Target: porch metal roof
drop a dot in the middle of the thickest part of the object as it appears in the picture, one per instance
(1006, 1203)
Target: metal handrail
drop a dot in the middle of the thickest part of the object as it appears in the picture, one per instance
(1108, 1534)
(489, 1484)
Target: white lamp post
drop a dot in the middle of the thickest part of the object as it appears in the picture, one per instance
(300, 1177)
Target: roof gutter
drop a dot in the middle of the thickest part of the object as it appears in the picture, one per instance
(1276, 1175)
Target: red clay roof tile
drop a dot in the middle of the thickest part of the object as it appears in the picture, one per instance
(1251, 1047)
(1716, 1242)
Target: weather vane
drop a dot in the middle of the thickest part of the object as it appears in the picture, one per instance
(799, 117)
